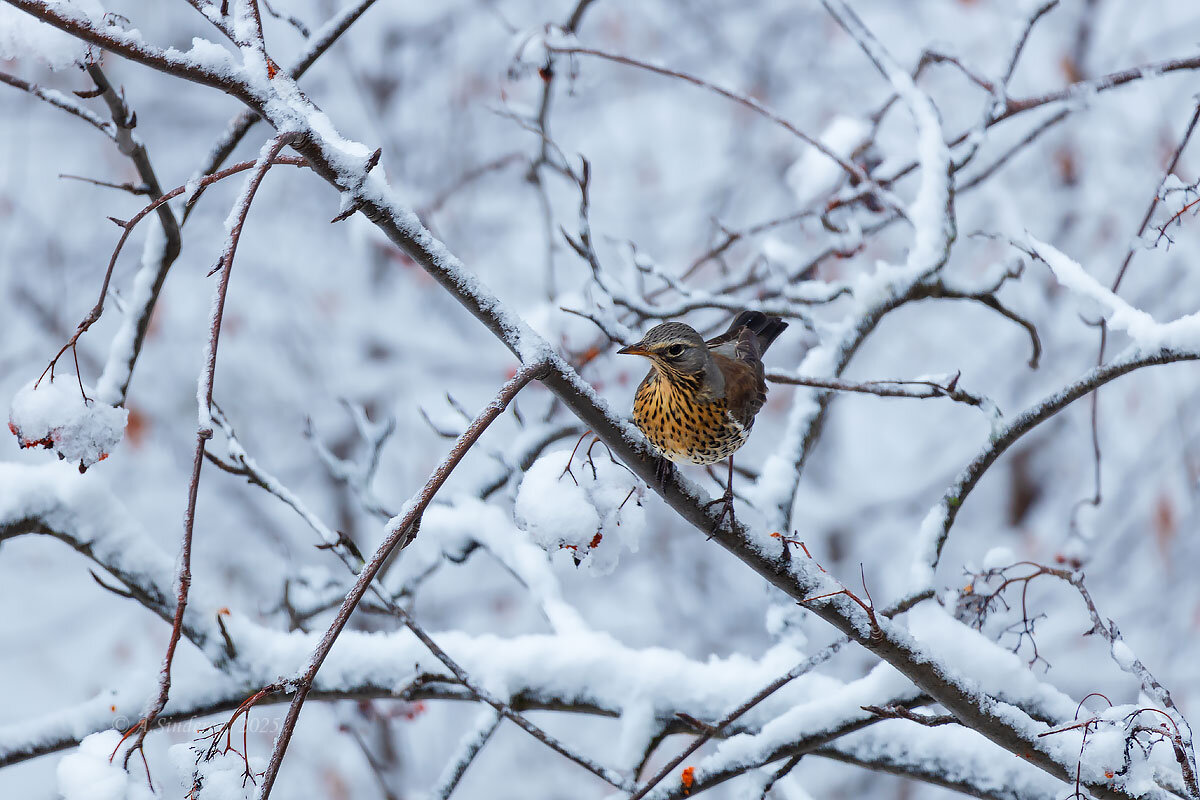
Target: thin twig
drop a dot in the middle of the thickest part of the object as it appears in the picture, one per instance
(127, 186)
(183, 578)
(1097, 496)
(127, 227)
(864, 181)
(61, 101)
(1032, 21)
(883, 388)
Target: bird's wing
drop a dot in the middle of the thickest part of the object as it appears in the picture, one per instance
(738, 344)
(755, 325)
(745, 390)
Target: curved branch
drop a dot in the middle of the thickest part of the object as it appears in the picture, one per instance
(936, 527)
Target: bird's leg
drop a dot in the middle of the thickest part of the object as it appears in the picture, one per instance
(662, 472)
(726, 500)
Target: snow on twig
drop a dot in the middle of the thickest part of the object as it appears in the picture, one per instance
(1147, 334)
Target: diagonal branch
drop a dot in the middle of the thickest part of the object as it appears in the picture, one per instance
(472, 743)
(241, 124)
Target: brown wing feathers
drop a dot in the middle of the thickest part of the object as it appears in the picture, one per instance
(738, 353)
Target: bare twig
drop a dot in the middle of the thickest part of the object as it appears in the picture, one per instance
(60, 100)
(1008, 154)
(900, 712)
(895, 388)
(127, 186)
(1038, 12)
(987, 297)
(1097, 497)
(465, 180)
(300, 27)
(127, 227)
(863, 180)
(183, 578)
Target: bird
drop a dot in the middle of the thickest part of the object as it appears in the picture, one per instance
(698, 401)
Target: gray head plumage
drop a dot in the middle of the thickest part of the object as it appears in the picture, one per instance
(676, 348)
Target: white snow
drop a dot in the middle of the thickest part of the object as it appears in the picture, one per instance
(87, 774)
(212, 56)
(491, 526)
(25, 37)
(926, 546)
(56, 416)
(594, 510)
(814, 175)
(983, 664)
(1147, 334)
(137, 304)
(998, 558)
(1123, 655)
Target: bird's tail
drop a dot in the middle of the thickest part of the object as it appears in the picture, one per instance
(765, 328)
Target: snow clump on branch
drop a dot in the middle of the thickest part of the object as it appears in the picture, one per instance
(54, 414)
(583, 502)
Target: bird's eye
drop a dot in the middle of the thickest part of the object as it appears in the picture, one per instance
(675, 350)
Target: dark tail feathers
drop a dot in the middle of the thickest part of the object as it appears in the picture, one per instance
(765, 328)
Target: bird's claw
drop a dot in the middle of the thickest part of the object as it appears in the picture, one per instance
(726, 501)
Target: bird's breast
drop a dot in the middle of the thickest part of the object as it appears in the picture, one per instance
(682, 425)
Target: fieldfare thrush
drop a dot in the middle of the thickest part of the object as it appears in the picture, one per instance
(698, 402)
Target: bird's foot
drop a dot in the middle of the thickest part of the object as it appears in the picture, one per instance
(726, 503)
(663, 472)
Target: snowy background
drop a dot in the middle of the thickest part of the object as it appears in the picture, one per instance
(333, 337)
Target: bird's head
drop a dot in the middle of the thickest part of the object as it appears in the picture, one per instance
(673, 348)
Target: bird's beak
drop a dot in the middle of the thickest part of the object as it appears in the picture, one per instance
(634, 350)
